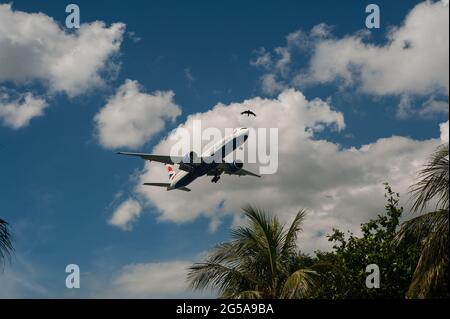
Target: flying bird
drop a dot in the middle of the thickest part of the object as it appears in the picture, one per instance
(248, 112)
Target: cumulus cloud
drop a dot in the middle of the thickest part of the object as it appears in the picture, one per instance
(151, 280)
(132, 117)
(444, 132)
(270, 84)
(34, 47)
(339, 187)
(413, 61)
(278, 64)
(18, 113)
(125, 214)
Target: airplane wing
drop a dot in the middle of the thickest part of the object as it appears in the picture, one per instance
(224, 168)
(167, 185)
(242, 172)
(166, 159)
(157, 184)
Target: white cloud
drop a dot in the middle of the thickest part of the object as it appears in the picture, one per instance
(125, 214)
(34, 47)
(433, 107)
(415, 59)
(405, 107)
(321, 30)
(19, 112)
(262, 59)
(278, 64)
(131, 117)
(284, 60)
(444, 132)
(134, 37)
(340, 187)
(270, 84)
(152, 280)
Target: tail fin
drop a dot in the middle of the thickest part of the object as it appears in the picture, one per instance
(170, 172)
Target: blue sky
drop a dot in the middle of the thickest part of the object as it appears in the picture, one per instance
(61, 186)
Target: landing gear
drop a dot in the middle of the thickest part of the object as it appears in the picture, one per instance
(215, 179)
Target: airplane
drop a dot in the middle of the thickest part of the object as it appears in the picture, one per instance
(191, 167)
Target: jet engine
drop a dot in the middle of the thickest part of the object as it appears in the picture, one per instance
(191, 158)
(187, 164)
(235, 166)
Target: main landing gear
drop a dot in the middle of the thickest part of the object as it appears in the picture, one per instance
(215, 179)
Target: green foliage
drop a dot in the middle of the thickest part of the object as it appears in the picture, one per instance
(345, 276)
(261, 261)
(430, 231)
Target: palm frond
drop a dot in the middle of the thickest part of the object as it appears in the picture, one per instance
(430, 232)
(6, 247)
(269, 232)
(418, 228)
(290, 238)
(248, 294)
(257, 262)
(300, 284)
(433, 181)
(427, 279)
(214, 275)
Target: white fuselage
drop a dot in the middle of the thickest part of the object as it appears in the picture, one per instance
(213, 156)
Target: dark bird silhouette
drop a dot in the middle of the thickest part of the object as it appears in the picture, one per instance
(248, 112)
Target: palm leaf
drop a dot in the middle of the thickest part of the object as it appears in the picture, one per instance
(269, 233)
(6, 247)
(300, 284)
(261, 261)
(290, 237)
(214, 275)
(248, 294)
(429, 231)
(433, 181)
